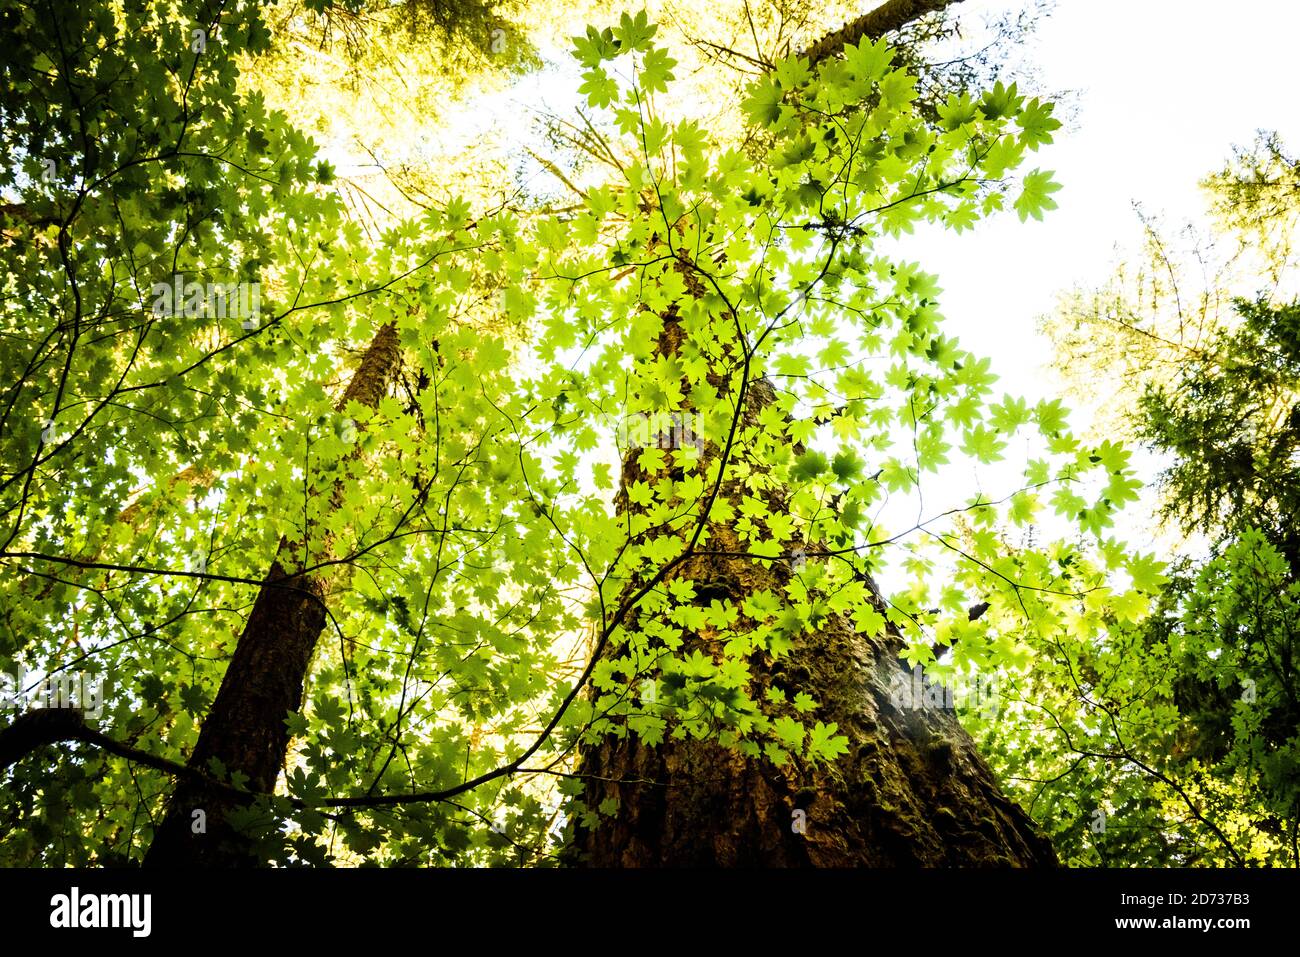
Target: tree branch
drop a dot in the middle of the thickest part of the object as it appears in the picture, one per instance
(886, 18)
(42, 726)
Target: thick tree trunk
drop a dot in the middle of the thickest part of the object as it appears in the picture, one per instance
(245, 729)
(911, 791)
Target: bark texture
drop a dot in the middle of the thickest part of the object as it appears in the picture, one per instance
(245, 728)
(911, 791)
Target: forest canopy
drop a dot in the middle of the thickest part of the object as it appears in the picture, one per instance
(613, 492)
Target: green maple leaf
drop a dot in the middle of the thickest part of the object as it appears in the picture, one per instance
(869, 60)
(824, 744)
(789, 732)
(656, 69)
(1035, 196)
(809, 465)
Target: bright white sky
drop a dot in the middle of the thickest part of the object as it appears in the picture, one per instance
(1162, 91)
(1165, 88)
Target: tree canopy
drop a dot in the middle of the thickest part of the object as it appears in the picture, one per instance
(356, 518)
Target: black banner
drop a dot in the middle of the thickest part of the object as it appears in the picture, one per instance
(133, 907)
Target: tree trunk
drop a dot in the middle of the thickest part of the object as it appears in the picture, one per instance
(912, 790)
(245, 728)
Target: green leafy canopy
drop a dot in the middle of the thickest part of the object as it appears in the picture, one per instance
(154, 462)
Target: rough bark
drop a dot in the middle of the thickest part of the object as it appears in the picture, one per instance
(245, 728)
(911, 791)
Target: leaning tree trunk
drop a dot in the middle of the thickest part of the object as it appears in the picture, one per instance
(245, 728)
